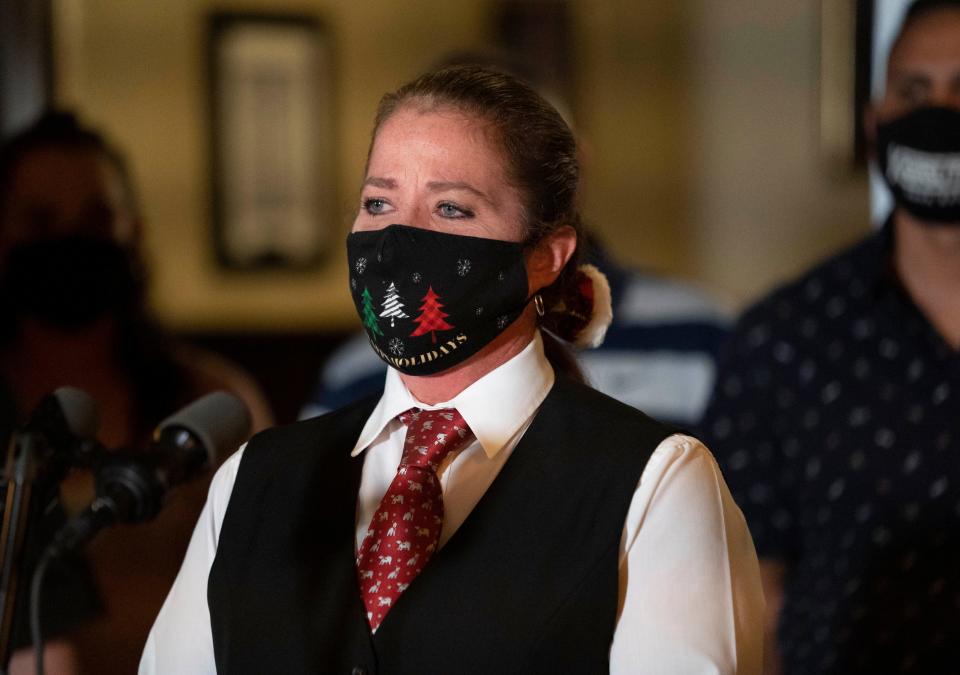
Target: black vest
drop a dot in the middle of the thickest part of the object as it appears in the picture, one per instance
(527, 584)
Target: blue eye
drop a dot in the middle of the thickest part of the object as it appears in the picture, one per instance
(374, 206)
(448, 210)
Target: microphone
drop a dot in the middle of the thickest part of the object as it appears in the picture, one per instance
(131, 486)
(68, 411)
(61, 432)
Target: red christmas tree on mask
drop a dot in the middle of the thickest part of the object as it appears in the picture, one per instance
(431, 317)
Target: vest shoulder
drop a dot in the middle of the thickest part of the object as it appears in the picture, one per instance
(329, 430)
(600, 413)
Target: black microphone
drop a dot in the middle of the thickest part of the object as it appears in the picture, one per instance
(68, 411)
(62, 431)
(131, 486)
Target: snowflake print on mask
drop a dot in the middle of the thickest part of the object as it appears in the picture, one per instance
(502, 321)
(463, 267)
(405, 529)
(396, 346)
(479, 311)
(416, 277)
(353, 283)
(360, 265)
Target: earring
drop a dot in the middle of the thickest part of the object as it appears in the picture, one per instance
(538, 303)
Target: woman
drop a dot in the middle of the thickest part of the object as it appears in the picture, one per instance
(496, 516)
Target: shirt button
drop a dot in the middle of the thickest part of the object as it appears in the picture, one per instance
(358, 670)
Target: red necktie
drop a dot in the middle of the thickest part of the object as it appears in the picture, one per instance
(405, 529)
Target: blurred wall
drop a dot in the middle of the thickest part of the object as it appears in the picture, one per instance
(701, 119)
(634, 102)
(767, 202)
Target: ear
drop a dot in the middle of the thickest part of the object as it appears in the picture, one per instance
(547, 259)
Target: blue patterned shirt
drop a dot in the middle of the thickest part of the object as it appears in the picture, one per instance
(836, 421)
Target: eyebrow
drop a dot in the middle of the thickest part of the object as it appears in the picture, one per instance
(433, 186)
(440, 186)
(382, 183)
(909, 73)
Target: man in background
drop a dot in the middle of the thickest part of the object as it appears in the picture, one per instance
(836, 413)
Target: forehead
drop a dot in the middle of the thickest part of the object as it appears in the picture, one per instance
(414, 135)
(931, 42)
(65, 177)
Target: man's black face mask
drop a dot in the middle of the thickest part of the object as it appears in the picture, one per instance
(919, 155)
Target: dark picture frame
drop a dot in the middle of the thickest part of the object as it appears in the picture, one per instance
(846, 45)
(270, 84)
(539, 34)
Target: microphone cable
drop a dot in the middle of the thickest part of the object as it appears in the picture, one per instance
(36, 587)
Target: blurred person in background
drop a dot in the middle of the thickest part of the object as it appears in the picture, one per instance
(73, 289)
(658, 354)
(836, 413)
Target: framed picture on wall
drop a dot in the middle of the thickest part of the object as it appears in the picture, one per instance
(540, 34)
(846, 39)
(270, 89)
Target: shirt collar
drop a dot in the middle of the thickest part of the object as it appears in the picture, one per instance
(876, 264)
(496, 406)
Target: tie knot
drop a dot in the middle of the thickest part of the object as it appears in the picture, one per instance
(431, 435)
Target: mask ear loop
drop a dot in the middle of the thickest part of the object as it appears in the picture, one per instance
(538, 303)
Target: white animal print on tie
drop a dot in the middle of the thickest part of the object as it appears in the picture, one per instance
(405, 529)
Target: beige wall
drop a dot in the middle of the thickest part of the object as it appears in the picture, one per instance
(634, 103)
(767, 201)
(701, 116)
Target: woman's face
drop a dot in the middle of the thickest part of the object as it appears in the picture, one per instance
(438, 170)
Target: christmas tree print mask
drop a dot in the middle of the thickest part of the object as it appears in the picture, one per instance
(430, 300)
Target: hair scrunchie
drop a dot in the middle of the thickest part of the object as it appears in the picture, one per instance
(582, 312)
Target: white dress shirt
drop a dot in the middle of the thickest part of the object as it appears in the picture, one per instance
(689, 587)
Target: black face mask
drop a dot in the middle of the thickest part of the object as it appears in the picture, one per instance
(919, 155)
(69, 282)
(430, 300)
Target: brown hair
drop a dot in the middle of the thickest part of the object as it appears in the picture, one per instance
(63, 130)
(539, 151)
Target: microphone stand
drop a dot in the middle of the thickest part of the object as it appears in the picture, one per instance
(19, 514)
(38, 457)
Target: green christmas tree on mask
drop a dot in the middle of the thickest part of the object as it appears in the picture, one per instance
(369, 316)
